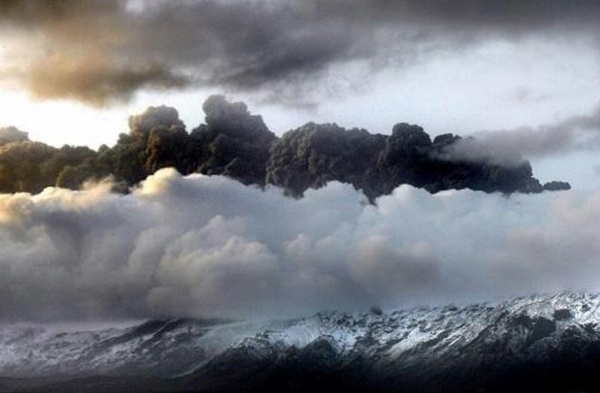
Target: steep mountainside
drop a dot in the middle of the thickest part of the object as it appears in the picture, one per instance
(541, 342)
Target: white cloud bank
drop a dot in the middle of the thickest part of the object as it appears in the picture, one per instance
(209, 246)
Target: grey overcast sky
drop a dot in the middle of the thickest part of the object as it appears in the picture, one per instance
(73, 70)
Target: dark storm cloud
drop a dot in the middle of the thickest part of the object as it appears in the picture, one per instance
(35, 12)
(289, 47)
(508, 17)
(96, 81)
(66, 49)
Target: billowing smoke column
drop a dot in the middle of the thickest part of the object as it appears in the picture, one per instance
(210, 246)
(312, 155)
(239, 145)
(32, 166)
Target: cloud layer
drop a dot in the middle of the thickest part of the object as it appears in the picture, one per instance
(209, 246)
(102, 51)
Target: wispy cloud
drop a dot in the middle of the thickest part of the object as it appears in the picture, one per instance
(576, 133)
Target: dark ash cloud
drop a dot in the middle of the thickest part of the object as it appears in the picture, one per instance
(237, 144)
(288, 48)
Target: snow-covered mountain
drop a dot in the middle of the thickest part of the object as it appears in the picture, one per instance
(549, 342)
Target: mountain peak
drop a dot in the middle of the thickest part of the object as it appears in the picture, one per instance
(420, 346)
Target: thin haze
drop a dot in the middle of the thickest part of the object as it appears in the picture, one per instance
(577, 133)
(209, 246)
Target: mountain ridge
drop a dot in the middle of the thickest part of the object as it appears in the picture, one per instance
(476, 347)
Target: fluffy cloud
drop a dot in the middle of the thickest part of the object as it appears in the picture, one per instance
(209, 246)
